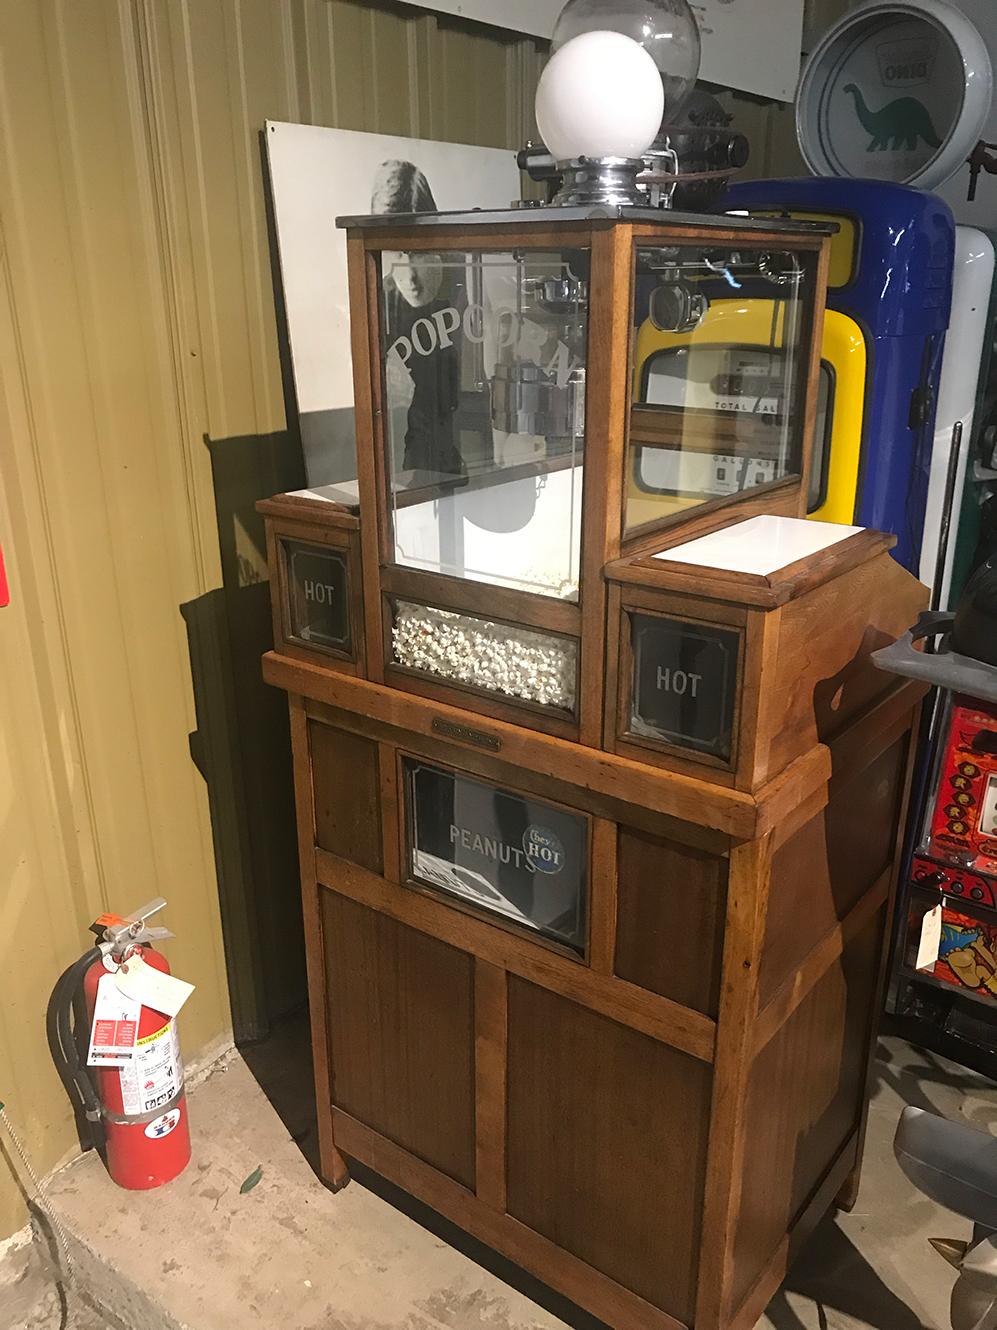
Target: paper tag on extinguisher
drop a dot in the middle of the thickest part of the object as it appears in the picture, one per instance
(150, 987)
(115, 1026)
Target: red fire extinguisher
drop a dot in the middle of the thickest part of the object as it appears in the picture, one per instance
(138, 1097)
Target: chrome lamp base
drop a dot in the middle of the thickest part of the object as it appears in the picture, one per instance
(611, 180)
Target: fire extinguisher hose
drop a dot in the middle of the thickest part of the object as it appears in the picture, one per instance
(62, 1041)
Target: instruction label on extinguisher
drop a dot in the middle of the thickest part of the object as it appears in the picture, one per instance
(155, 1074)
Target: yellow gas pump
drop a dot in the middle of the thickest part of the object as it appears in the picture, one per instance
(743, 334)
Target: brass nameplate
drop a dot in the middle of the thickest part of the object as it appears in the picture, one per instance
(465, 734)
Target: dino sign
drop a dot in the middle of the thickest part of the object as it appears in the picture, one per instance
(890, 98)
(900, 124)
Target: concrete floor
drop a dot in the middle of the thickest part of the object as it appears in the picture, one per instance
(199, 1255)
(35, 1296)
(873, 1267)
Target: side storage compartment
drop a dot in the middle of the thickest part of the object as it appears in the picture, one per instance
(805, 1099)
(825, 680)
(313, 551)
(827, 868)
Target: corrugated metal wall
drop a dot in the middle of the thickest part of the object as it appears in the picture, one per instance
(141, 415)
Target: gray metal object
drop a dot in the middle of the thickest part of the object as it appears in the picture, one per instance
(952, 1163)
(526, 400)
(974, 1298)
(956, 1166)
(945, 530)
(132, 931)
(676, 307)
(943, 668)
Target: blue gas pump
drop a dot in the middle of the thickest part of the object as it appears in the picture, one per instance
(891, 273)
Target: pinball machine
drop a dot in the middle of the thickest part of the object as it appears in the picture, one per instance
(944, 990)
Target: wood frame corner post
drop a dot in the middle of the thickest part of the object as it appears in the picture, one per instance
(369, 417)
(606, 406)
(333, 1165)
(749, 873)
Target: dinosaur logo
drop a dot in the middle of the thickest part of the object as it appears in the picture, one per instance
(897, 125)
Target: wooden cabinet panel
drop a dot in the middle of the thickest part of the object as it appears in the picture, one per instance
(401, 1033)
(824, 676)
(607, 1144)
(346, 786)
(805, 1097)
(822, 870)
(670, 919)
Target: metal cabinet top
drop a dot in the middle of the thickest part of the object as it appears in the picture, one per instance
(534, 216)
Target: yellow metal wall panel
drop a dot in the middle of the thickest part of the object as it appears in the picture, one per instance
(103, 802)
(141, 406)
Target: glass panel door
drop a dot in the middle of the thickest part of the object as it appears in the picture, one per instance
(484, 358)
(719, 377)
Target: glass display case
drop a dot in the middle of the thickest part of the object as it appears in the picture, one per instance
(540, 392)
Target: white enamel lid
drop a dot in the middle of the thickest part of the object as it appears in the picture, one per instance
(896, 90)
(759, 545)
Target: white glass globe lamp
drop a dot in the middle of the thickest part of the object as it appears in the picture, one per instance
(599, 96)
(599, 105)
(666, 29)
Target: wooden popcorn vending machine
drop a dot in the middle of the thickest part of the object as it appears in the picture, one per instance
(598, 792)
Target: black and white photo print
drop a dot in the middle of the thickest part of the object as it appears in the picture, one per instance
(320, 174)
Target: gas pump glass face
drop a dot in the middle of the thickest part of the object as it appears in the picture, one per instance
(483, 356)
(719, 377)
